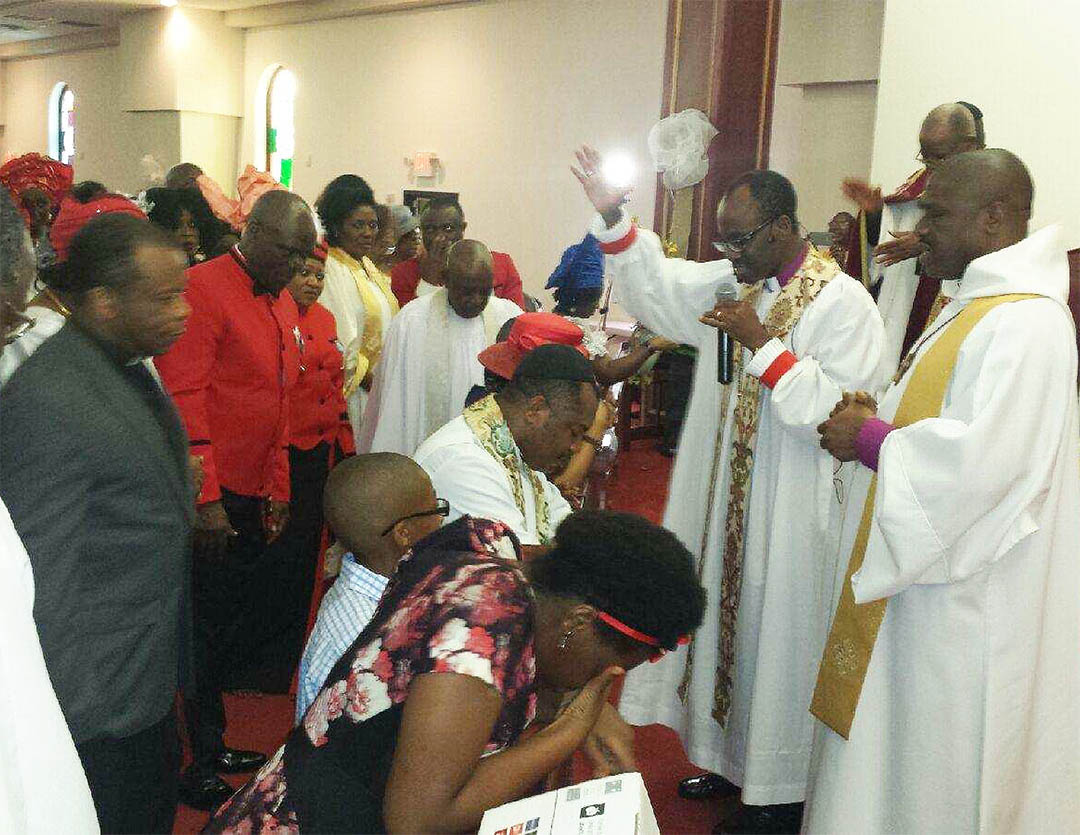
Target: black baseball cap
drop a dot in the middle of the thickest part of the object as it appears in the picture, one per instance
(555, 362)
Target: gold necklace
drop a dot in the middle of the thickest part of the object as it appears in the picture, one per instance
(58, 305)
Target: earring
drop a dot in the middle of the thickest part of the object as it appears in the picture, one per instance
(565, 640)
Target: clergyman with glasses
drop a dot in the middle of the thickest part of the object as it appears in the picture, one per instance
(378, 506)
(883, 248)
(752, 495)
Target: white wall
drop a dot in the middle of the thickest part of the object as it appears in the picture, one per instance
(1019, 62)
(502, 92)
(822, 133)
(826, 95)
(108, 141)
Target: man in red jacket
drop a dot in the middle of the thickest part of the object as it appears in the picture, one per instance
(230, 376)
(320, 434)
(442, 225)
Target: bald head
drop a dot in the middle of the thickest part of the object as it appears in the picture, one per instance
(975, 203)
(278, 237)
(366, 493)
(980, 178)
(950, 129)
(278, 207)
(470, 277)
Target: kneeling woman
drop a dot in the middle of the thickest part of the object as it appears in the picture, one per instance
(417, 726)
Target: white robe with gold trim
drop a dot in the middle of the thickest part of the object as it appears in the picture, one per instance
(969, 717)
(792, 518)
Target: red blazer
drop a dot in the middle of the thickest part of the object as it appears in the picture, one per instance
(230, 375)
(405, 277)
(317, 406)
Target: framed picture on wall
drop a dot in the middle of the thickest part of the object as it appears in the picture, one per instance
(418, 200)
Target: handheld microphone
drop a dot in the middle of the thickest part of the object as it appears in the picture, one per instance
(725, 345)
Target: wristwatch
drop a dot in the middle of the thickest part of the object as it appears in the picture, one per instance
(595, 444)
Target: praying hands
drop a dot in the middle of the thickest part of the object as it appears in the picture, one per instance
(839, 432)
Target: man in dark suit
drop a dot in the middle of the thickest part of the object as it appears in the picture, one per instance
(93, 468)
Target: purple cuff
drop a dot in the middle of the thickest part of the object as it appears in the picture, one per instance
(869, 440)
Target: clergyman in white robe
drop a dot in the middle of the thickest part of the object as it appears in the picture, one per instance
(969, 715)
(899, 282)
(792, 519)
(428, 366)
(42, 784)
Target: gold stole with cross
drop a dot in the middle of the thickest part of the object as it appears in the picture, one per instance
(855, 627)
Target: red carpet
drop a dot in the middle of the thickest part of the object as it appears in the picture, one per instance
(640, 485)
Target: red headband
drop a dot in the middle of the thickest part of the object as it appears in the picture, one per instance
(630, 632)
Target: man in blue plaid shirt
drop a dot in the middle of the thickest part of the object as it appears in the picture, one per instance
(378, 505)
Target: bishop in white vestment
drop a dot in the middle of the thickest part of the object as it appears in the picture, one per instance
(429, 360)
(907, 298)
(738, 693)
(964, 715)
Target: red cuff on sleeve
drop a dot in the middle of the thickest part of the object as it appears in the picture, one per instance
(780, 366)
(624, 243)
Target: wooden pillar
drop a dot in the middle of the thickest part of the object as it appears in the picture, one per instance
(721, 59)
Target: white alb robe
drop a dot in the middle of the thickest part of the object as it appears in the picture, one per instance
(898, 283)
(969, 716)
(475, 483)
(42, 784)
(344, 301)
(792, 518)
(398, 416)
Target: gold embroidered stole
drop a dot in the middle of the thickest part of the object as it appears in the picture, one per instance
(485, 419)
(369, 282)
(793, 299)
(437, 349)
(855, 627)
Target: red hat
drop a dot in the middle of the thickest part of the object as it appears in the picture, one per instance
(531, 330)
(36, 171)
(319, 253)
(74, 215)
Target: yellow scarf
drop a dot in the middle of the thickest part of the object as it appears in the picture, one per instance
(369, 282)
(855, 627)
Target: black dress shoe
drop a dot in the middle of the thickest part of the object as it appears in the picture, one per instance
(235, 761)
(781, 819)
(704, 786)
(203, 790)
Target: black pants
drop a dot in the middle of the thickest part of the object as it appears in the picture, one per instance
(226, 591)
(679, 380)
(291, 562)
(133, 780)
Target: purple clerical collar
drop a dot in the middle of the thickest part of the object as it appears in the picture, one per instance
(784, 276)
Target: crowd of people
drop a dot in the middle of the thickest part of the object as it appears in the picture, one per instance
(862, 608)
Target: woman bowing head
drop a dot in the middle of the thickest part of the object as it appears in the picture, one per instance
(418, 727)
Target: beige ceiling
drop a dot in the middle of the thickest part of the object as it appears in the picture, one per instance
(22, 20)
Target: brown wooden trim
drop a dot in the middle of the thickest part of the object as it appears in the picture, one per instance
(720, 57)
(741, 107)
(662, 204)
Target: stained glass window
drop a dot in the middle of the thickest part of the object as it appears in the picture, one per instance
(280, 129)
(62, 124)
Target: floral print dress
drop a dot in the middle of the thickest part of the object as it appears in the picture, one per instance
(456, 604)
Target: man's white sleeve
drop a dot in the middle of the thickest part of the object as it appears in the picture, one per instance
(666, 294)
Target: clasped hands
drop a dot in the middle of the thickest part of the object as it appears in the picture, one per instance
(839, 432)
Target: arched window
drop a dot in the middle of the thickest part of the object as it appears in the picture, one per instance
(62, 123)
(280, 129)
